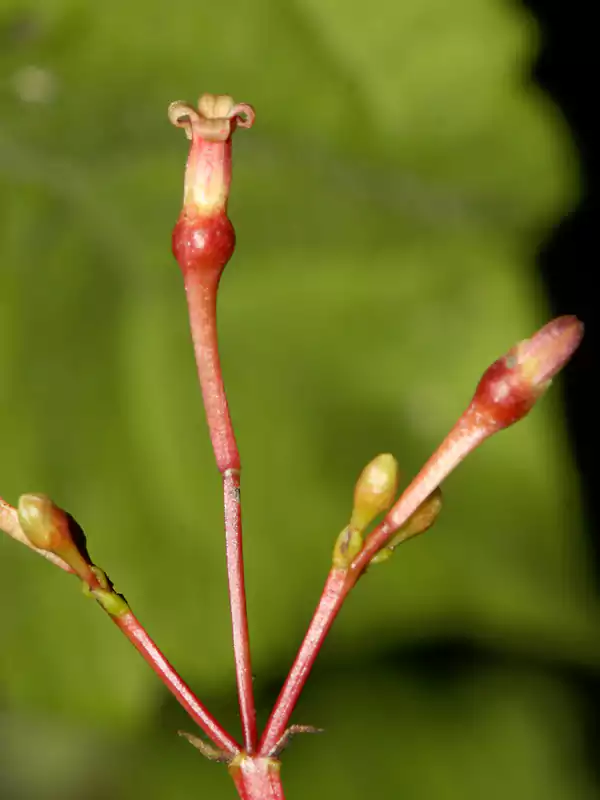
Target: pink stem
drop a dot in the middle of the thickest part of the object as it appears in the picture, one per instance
(237, 603)
(334, 593)
(136, 634)
(462, 439)
(201, 295)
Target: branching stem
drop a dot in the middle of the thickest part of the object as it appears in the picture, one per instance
(461, 440)
(142, 642)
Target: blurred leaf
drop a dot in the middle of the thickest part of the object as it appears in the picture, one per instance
(388, 205)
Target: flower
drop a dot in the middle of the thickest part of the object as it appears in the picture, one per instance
(204, 238)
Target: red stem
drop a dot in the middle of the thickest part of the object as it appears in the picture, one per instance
(462, 439)
(142, 642)
(237, 603)
(334, 593)
(201, 292)
(506, 392)
(136, 634)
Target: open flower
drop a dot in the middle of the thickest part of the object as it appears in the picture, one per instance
(204, 238)
(210, 128)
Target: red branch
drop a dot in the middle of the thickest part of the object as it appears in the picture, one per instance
(507, 391)
(128, 624)
(335, 591)
(136, 634)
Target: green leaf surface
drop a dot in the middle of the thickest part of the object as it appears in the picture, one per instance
(389, 202)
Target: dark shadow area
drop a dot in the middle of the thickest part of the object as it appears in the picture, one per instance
(568, 261)
(438, 665)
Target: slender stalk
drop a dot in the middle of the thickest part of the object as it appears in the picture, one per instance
(201, 295)
(464, 437)
(237, 604)
(142, 642)
(203, 242)
(334, 593)
(136, 634)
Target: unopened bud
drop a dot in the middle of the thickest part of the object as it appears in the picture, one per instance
(375, 490)
(49, 528)
(419, 522)
(45, 525)
(511, 386)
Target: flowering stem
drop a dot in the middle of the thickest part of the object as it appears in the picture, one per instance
(142, 642)
(507, 391)
(50, 526)
(340, 582)
(461, 440)
(54, 526)
(201, 293)
(464, 437)
(203, 242)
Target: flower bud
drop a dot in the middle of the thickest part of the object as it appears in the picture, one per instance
(44, 524)
(505, 394)
(50, 529)
(511, 386)
(375, 491)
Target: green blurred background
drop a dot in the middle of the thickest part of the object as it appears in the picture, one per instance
(402, 174)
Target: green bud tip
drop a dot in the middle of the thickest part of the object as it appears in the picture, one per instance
(45, 525)
(112, 602)
(375, 490)
(48, 528)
